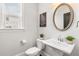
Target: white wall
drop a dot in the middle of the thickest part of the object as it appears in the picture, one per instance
(51, 32)
(10, 39)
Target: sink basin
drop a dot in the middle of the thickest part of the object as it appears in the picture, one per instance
(62, 46)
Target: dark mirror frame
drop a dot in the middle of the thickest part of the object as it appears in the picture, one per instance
(43, 19)
(71, 16)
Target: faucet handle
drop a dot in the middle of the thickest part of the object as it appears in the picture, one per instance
(59, 37)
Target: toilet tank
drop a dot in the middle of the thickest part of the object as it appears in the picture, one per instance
(40, 45)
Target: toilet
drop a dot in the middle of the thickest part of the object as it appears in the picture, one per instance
(35, 51)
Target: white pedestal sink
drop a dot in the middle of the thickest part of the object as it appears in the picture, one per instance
(62, 46)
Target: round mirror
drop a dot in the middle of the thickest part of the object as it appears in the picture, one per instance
(63, 17)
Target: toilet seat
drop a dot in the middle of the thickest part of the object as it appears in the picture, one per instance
(33, 51)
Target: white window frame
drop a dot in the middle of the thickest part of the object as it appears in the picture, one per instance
(20, 23)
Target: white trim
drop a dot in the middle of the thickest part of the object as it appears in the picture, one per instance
(20, 54)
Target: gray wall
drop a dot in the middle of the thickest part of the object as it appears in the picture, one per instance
(51, 32)
(10, 39)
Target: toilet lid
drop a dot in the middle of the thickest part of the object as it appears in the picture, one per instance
(32, 51)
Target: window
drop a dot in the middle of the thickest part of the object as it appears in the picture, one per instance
(11, 16)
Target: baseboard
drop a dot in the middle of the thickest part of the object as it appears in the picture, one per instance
(21, 54)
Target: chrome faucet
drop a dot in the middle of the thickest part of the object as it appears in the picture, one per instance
(60, 38)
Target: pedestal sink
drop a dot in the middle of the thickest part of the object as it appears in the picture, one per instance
(62, 46)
